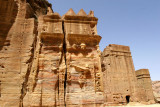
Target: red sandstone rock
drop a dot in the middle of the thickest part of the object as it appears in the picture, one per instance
(84, 82)
(18, 39)
(49, 60)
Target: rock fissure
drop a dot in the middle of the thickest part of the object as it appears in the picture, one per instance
(64, 52)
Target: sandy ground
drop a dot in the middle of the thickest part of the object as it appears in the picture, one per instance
(153, 105)
(138, 105)
(132, 104)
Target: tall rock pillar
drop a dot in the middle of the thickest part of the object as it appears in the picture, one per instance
(49, 85)
(119, 75)
(145, 86)
(83, 74)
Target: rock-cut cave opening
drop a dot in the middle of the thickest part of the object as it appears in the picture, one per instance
(128, 99)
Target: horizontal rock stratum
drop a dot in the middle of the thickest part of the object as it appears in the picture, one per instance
(51, 61)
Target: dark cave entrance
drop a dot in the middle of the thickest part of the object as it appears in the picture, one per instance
(127, 98)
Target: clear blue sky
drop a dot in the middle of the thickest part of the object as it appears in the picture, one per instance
(135, 23)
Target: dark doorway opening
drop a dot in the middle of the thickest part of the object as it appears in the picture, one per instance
(127, 98)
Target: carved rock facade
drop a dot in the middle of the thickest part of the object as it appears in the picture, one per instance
(144, 81)
(122, 84)
(118, 69)
(47, 60)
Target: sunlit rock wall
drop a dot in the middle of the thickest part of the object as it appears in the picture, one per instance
(83, 74)
(49, 60)
(145, 85)
(119, 75)
(17, 44)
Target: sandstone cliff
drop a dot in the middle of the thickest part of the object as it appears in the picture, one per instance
(18, 39)
(47, 60)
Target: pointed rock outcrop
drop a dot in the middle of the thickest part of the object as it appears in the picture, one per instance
(91, 13)
(82, 13)
(70, 12)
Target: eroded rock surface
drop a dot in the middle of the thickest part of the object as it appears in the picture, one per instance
(84, 83)
(119, 74)
(156, 90)
(47, 60)
(122, 84)
(18, 41)
(144, 86)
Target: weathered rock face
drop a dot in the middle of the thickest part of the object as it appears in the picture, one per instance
(145, 87)
(119, 74)
(45, 87)
(122, 84)
(156, 90)
(49, 60)
(8, 13)
(84, 83)
(17, 47)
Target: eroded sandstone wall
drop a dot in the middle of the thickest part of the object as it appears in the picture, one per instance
(8, 13)
(119, 75)
(49, 60)
(84, 79)
(17, 47)
(49, 84)
(121, 83)
(145, 86)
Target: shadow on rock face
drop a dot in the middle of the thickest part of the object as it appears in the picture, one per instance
(7, 19)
